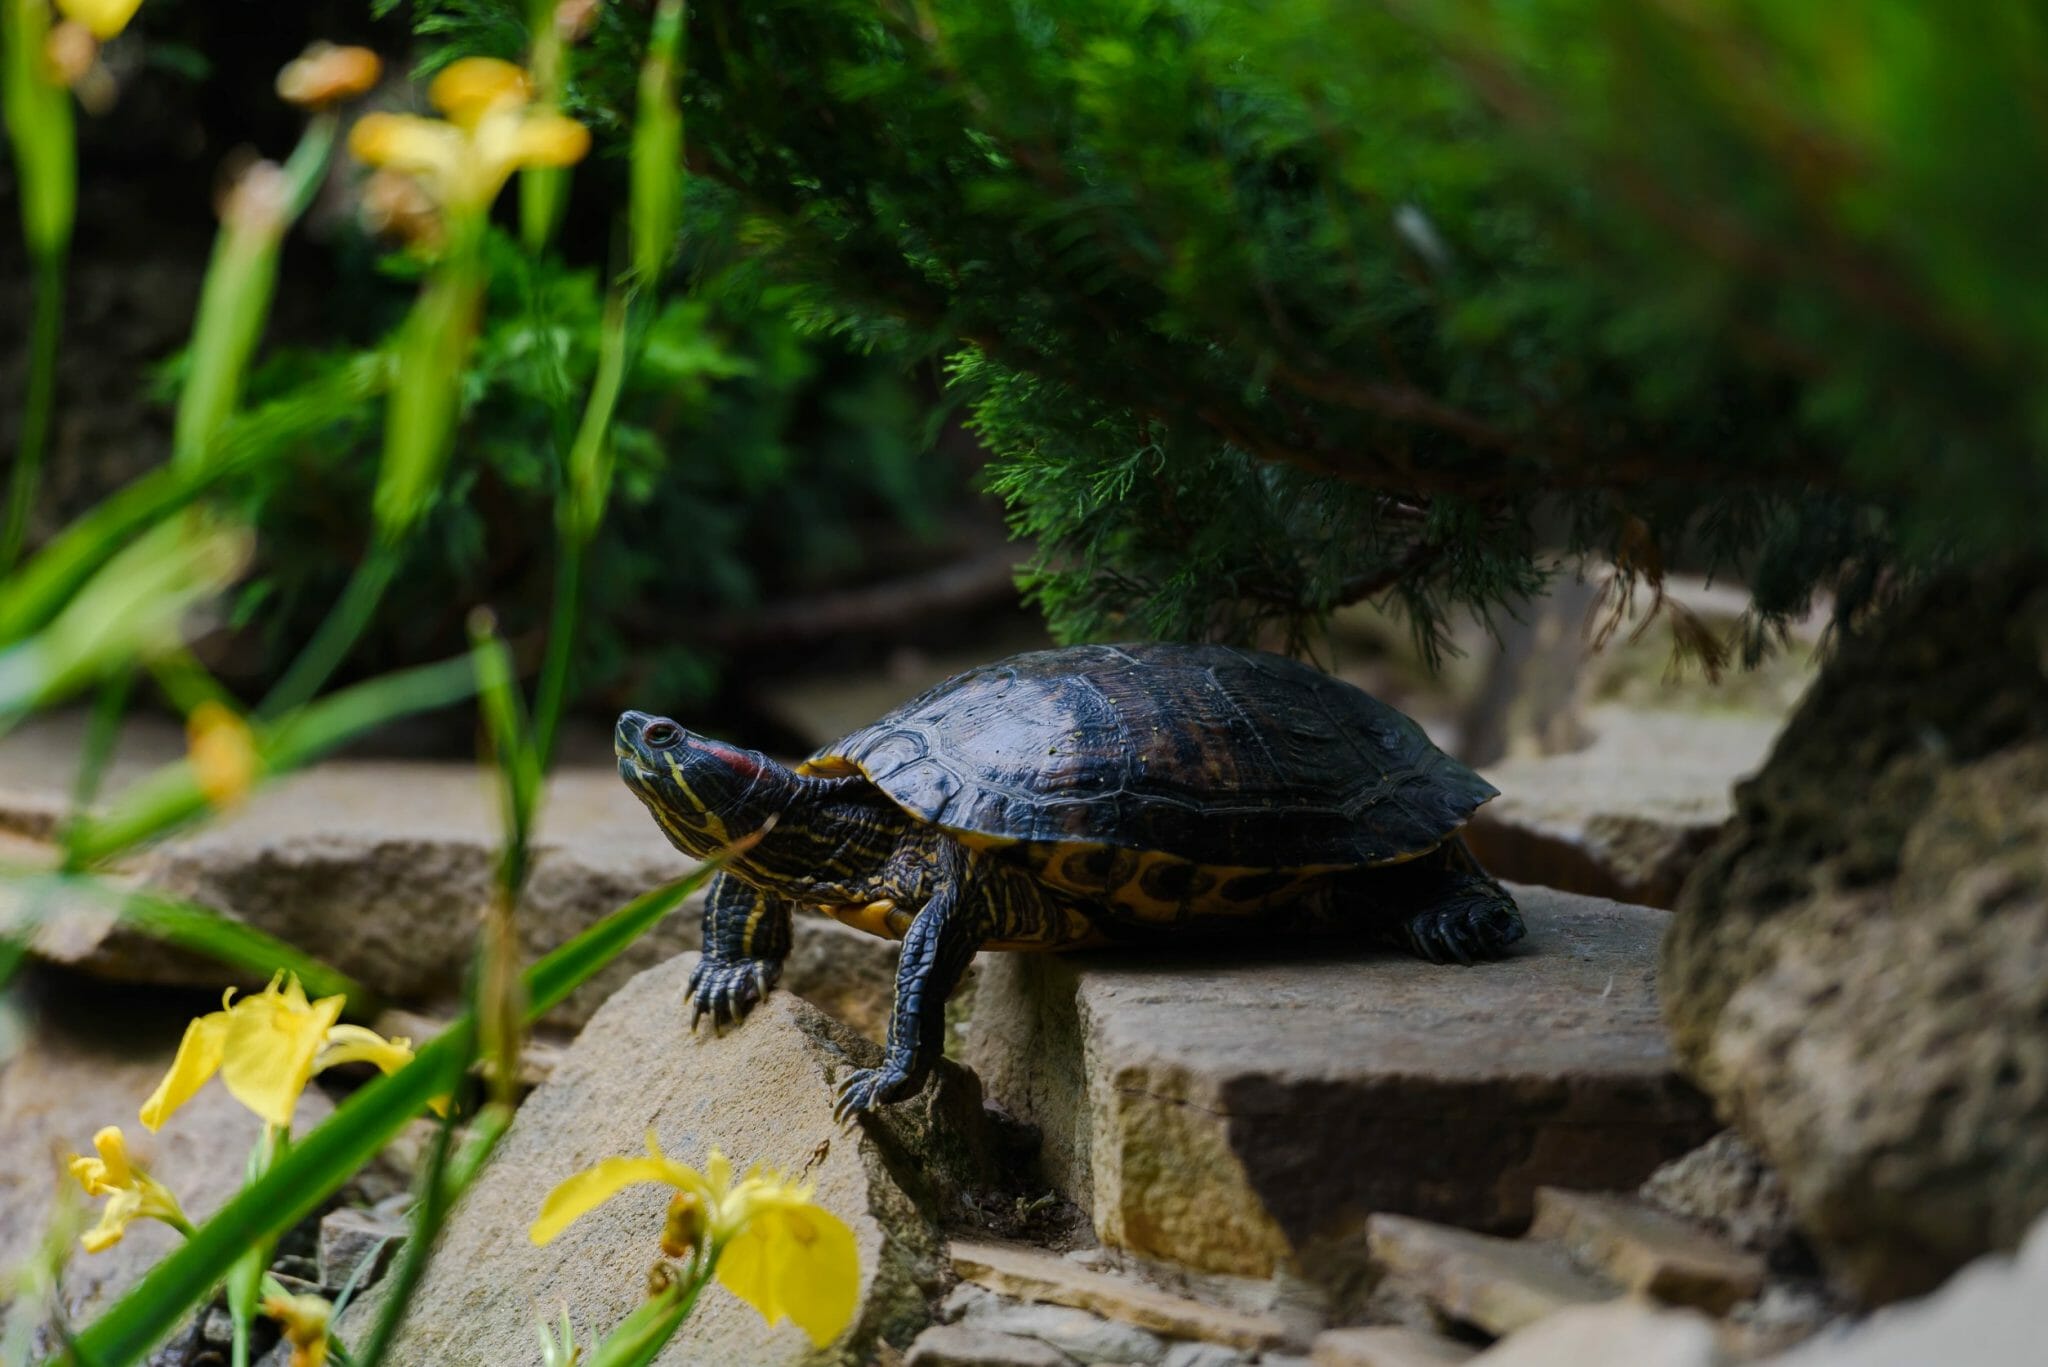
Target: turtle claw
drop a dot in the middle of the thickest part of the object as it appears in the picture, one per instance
(1463, 931)
(727, 989)
(866, 1088)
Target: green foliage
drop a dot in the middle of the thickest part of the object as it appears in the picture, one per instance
(1267, 305)
(748, 461)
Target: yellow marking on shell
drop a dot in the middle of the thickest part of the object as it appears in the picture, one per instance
(876, 918)
(829, 766)
(1140, 875)
(977, 840)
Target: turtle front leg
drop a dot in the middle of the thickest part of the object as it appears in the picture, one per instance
(746, 938)
(937, 948)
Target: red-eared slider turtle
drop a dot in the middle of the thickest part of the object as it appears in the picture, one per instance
(1084, 796)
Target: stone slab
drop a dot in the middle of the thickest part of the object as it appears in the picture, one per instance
(963, 1345)
(1621, 1333)
(1388, 1345)
(1499, 1285)
(1647, 1250)
(1030, 1274)
(1630, 814)
(763, 1094)
(1244, 1110)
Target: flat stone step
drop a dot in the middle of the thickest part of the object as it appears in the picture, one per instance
(1648, 1250)
(1499, 1285)
(1028, 1274)
(1244, 1109)
(1389, 1345)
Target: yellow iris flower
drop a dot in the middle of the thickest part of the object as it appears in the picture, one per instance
(266, 1048)
(131, 1193)
(222, 752)
(775, 1249)
(103, 18)
(304, 1321)
(489, 132)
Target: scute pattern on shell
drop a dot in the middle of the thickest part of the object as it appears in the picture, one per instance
(1215, 755)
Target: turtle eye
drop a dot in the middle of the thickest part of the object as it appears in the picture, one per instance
(659, 735)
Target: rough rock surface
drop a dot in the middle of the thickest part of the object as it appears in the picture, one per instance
(762, 1093)
(1499, 1285)
(963, 1345)
(1859, 971)
(380, 867)
(90, 1057)
(1726, 1185)
(1242, 1110)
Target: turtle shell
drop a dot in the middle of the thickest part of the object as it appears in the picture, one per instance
(1205, 753)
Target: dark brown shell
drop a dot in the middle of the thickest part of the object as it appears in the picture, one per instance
(1219, 756)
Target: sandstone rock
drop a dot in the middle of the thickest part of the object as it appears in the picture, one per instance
(1624, 1333)
(381, 868)
(355, 1246)
(1646, 1250)
(90, 1058)
(1238, 1110)
(1076, 1333)
(1499, 1285)
(1859, 970)
(1389, 1345)
(762, 1093)
(1032, 1275)
(963, 1345)
(1988, 1315)
(1206, 1355)
(1726, 1185)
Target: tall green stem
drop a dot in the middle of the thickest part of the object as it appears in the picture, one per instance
(36, 406)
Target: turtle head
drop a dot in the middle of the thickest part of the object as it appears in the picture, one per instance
(703, 793)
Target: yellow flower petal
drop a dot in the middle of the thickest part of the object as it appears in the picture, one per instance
(104, 17)
(272, 1039)
(407, 142)
(304, 1321)
(121, 1210)
(199, 1056)
(550, 140)
(797, 1262)
(358, 1044)
(467, 89)
(324, 73)
(592, 1187)
(223, 749)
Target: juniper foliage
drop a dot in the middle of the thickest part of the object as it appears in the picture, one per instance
(1264, 307)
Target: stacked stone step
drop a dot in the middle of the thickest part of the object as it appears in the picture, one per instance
(1584, 1249)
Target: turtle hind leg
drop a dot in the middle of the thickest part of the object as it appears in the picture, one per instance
(1455, 912)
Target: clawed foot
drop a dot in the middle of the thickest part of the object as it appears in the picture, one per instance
(1463, 931)
(866, 1088)
(727, 989)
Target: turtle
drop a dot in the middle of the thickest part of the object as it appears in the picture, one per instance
(1090, 795)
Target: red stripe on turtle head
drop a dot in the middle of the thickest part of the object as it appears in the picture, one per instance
(743, 762)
